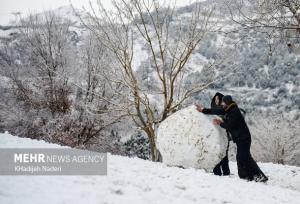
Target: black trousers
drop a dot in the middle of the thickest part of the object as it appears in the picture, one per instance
(247, 167)
(222, 168)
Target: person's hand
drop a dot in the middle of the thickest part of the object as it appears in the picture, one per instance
(199, 107)
(217, 121)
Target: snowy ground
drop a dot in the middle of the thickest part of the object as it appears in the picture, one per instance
(139, 181)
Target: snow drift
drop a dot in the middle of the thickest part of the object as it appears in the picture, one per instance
(189, 139)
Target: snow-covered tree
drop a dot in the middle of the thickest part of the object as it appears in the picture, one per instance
(276, 139)
(170, 39)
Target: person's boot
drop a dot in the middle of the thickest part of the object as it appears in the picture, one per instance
(217, 170)
(225, 166)
(260, 178)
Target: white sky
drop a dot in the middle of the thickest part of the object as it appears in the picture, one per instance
(32, 6)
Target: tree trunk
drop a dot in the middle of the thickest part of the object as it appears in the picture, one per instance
(155, 154)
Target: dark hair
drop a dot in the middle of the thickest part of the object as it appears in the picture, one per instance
(213, 103)
(227, 99)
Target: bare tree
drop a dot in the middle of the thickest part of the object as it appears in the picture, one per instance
(94, 92)
(282, 16)
(170, 39)
(58, 91)
(45, 41)
(276, 140)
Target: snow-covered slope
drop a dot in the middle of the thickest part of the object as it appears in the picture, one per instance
(132, 180)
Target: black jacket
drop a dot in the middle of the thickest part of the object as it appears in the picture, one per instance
(234, 122)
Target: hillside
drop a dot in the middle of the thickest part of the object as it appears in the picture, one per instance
(132, 180)
(261, 79)
(261, 73)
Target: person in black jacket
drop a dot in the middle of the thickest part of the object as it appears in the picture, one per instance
(235, 124)
(222, 168)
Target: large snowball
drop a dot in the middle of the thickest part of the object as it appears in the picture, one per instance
(188, 138)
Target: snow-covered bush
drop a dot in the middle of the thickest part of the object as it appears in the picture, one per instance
(137, 146)
(275, 139)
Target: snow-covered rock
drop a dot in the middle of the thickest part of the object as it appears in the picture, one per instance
(189, 139)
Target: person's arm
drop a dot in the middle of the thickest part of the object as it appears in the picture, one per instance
(231, 122)
(213, 111)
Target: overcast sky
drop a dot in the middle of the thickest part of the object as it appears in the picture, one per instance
(28, 6)
(32, 6)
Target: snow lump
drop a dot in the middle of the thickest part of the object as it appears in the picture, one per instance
(188, 138)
